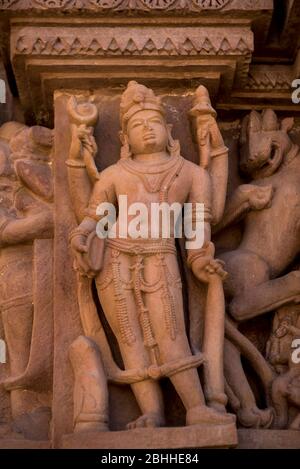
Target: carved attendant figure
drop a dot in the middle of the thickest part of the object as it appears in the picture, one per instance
(26, 214)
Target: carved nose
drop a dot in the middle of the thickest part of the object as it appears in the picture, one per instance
(253, 157)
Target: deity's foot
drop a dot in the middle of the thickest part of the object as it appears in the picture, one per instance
(149, 420)
(91, 427)
(253, 417)
(205, 415)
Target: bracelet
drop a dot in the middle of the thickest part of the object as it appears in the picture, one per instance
(192, 256)
(78, 232)
(75, 164)
(219, 152)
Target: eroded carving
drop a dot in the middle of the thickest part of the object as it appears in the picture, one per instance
(26, 283)
(138, 280)
(269, 207)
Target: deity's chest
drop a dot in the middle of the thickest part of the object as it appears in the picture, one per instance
(156, 184)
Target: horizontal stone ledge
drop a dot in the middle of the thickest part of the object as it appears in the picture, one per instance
(196, 436)
(268, 439)
(19, 443)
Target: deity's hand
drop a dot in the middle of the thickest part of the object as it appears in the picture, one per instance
(85, 135)
(257, 197)
(83, 143)
(84, 149)
(88, 251)
(79, 247)
(205, 266)
(210, 140)
(79, 243)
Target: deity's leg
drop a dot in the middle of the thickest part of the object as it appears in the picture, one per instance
(165, 306)
(119, 306)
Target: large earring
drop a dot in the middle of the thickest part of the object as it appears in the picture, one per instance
(125, 152)
(173, 145)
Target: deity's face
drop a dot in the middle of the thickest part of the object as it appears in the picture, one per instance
(147, 132)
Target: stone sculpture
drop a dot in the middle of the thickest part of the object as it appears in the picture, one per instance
(286, 386)
(269, 207)
(25, 234)
(138, 280)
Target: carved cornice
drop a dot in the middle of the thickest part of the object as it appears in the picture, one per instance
(173, 42)
(179, 6)
(270, 78)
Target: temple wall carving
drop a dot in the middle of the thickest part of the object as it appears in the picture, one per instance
(171, 102)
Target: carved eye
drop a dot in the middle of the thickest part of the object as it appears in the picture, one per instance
(136, 124)
(156, 120)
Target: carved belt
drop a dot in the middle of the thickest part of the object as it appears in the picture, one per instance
(140, 250)
(143, 246)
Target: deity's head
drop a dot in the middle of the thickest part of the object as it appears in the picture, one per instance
(144, 128)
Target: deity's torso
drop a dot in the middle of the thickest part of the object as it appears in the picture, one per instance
(174, 181)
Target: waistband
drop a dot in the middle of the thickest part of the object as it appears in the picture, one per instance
(135, 247)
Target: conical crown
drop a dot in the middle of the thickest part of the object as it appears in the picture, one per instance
(137, 98)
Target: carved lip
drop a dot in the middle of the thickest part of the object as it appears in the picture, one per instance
(149, 136)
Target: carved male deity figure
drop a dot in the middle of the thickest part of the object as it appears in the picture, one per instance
(25, 215)
(139, 283)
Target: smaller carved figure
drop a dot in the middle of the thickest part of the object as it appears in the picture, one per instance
(281, 354)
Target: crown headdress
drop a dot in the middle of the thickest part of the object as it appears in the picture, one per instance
(136, 98)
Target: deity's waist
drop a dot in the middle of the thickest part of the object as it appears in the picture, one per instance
(141, 246)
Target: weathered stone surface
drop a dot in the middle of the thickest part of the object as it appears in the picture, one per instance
(103, 339)
(147, 438)
(268, 439)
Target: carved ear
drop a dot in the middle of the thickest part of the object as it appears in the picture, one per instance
(269, 120)
(169, 130)
(255, 122)
(122, 137)
(287, 124)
